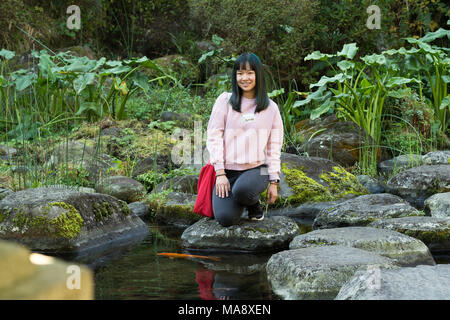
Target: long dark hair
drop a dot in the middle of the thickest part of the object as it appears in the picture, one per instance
(262, 99)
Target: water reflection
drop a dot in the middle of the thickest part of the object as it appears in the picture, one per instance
(135, 271)
(214, 285)
(140, 273)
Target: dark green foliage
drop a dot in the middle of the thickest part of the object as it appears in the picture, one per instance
(282, 33)
(143, 25)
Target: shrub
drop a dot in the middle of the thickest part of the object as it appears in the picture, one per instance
(276, 30)
(16, 14)
(283, 32)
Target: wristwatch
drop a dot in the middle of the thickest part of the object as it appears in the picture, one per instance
(275, 181)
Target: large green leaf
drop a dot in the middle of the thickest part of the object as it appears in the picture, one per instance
(397, 81)
(445, 102)
(150, 64)
(99, 63)
(400, 93)
(80, 83)
(374, 59)
(116, 70)
(430, 36)
(275, 93)
(425, 47)
(46, 67)
(81, 64)
(401, 51)
(141, 80)
(340, 77)
(348, 50)
(23, 81)
(323, 108)
(88, 106)
(317, 95)
(113, 63)
(345, 65)
(317, 55)
(8, 55)
(445, 79)
(135, 60)
(205, 56)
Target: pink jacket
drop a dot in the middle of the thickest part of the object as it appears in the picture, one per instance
(241, 141)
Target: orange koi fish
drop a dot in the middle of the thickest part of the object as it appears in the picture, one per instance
(186, 256)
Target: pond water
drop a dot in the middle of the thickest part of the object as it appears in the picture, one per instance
(138, 272)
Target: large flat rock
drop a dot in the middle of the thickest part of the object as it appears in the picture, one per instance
(362, 210)
(418, 283)
(269, 235)
(405, 250)
(418, 183)
(434, 232)
(319, 272)
(438, 205)
(63, 220)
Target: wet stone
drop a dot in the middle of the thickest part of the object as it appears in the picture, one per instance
(405, 250)
(434, 232)
(362, 210)
(418, 283)
(269, 235)
(319, 272)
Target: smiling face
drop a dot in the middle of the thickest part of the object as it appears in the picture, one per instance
(246, 80)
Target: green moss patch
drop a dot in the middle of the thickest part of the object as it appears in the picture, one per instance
(162, 211)
(339, 183)
(66, 225)
(427, 236)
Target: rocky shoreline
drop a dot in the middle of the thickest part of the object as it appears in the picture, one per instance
(357, 225)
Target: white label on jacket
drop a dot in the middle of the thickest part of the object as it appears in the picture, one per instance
(248, 117)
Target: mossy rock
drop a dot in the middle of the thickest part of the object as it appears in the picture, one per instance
(333, 139)
(363, 210)
(173, 208)
(123, 188)
(58, 219)
(415, 185)
(79, 51)
(318, 272)
(81, 155)
(407, 251)
(186, 184)
(124, 139)
(269, 235)
(433, 231)
(312, 179)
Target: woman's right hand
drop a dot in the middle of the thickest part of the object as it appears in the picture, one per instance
(222, 186)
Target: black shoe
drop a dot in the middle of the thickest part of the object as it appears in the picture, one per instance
(256, 212)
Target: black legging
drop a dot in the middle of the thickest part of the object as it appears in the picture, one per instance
(246, 187)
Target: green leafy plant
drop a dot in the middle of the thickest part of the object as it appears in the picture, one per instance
(430, 63)
(356, 94)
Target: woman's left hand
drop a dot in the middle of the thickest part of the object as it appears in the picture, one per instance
(272, 194)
